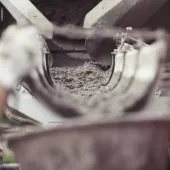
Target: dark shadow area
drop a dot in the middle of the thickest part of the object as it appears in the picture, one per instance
(5, 18)
(160, 19)
(63, 59)
(65, 11)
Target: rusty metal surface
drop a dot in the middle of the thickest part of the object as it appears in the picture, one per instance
(124, 145)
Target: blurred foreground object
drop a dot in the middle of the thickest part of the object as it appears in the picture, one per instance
(121, 145)
(3, 98)
(19, 50)
(18, 53)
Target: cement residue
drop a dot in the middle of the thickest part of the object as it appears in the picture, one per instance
(80, 80)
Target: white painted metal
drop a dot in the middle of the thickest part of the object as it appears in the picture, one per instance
(104, 10)
(32, 108)
(24, 10)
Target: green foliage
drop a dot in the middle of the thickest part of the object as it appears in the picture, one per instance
(8, 157)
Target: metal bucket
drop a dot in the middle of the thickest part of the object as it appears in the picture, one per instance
(118, 145)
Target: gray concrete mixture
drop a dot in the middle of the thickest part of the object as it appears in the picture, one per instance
(82, 80)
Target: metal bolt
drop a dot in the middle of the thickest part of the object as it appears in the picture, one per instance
(18, 88)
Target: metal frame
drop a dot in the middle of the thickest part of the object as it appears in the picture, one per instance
(122, 13)
(24, 11)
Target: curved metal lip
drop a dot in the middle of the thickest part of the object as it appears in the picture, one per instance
(130, 67)
(118, 71)
(45, 67)
(144, 80)
(46, 63)
(124, 68)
